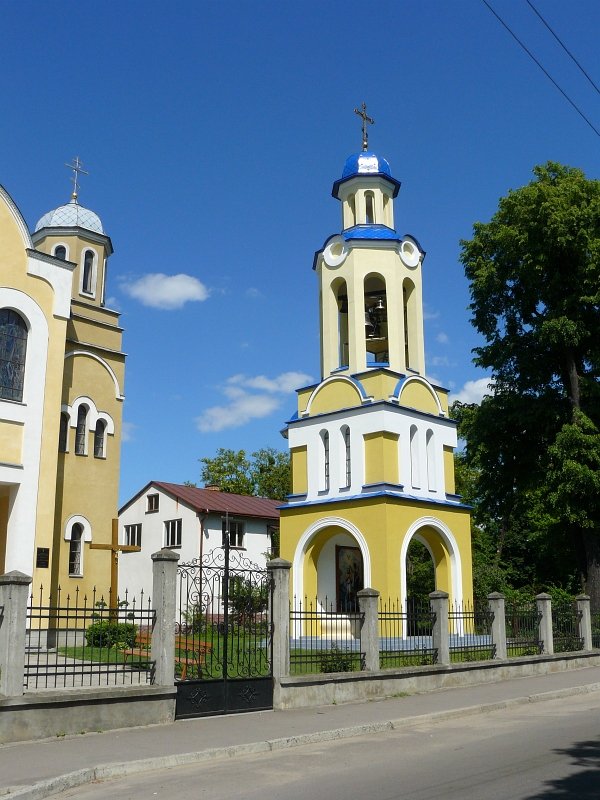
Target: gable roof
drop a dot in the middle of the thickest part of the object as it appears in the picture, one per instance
(217, 502)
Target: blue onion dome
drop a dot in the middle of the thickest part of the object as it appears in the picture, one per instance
(71, 215)
(366, 165)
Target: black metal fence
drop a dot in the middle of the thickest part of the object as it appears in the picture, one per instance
(323, 640)
(470, 632)
(595, 620)
(522, 622)
(80, 640)
(565, 627)
(405, 634)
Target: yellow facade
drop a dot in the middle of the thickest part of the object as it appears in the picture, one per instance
(60, 421)
(372, 444)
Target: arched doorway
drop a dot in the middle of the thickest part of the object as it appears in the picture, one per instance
(438, 540)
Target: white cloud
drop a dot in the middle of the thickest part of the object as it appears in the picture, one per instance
(166, 291)
(428, 313)
(249, 398)
(127, 431)
(442, 338)
(253, 292)
(472, 391)
(440, 361)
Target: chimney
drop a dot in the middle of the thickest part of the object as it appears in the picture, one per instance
(213, 487)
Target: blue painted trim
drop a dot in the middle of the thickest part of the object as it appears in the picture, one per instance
(405, 498)
(418, 244)
(366, 176)
(365, 407)
(383, 486)
(371, 232)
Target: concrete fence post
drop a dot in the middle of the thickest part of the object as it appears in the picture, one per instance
(164, 594)
(279, 570)
(496, 606)
(440, 634)
(368, 602)
(544, 607)
(14, 592)
(585, 622)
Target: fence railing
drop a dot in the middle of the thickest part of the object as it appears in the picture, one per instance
(470, 630)
(522, 625)
(79, 640)
(323, 640)
(566, 620)
(595, 626)
(405, 634)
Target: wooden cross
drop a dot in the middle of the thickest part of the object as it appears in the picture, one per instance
(363, 114)
(115, 549)
(77, 168)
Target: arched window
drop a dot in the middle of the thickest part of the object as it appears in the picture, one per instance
(100, 439)
(369, 207)
(352, 207)
(324, 461)
(60, 252)
(347, 456)
(376, 320)
(409, 314)
(415, 480)
(87, 282)
(430, 450)
(341, 298)
(386, 211)
(13, 349)
(75, 550)
(63, 435)
(81, 432)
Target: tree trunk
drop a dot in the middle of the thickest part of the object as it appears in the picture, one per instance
(591, 543)
(573, 389)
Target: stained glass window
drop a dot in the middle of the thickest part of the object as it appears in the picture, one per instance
(75, 550)
(99, 439)
(81, 432)
(13, 349)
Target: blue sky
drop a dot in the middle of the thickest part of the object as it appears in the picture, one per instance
(213, 131)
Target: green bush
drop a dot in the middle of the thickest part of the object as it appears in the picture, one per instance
(336, 660)
(111, 634)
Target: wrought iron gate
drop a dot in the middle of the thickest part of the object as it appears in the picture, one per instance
(223, 647)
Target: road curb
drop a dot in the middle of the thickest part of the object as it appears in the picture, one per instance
(70, 780)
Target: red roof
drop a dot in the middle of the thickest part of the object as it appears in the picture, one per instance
(220, 502)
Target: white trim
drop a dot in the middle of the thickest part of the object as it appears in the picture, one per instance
(331, 379)
(453, 549)
(61, 244)
(93, 276)
(426, 384)
(73, 353)
(85, 524)
(310, 533)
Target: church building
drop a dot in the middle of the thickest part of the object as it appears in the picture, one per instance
(372, 443)
(61, 397)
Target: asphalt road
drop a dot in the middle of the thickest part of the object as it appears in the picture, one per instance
(531, 752)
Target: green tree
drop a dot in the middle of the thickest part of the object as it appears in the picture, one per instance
(266, 473)
(534, 273)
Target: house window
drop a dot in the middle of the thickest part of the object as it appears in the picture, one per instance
(236, 532)
(75, 553)
(13, 348)
(151, 503)
(63, 434)
(81, 432)
(133, 535)
(100, 439)
(173, 533)
(87, 282)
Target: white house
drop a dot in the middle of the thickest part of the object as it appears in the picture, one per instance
(190, 521)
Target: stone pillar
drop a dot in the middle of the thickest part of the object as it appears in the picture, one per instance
(279, 570)
(14, 591)
(585, 623)
(368, 602)
(544, 607)
(496, 606)
(164, 593)
(441, 636)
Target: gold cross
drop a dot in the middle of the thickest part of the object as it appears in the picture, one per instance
(115, 549)
(77, 167)
(363, 114)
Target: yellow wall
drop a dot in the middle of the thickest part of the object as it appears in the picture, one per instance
(299, 470)
(335, 395)
(416, 395)
(11, 442)
(381, 457)
(450, 485)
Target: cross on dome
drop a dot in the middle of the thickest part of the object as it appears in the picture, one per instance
(363, 114)
(77, 167)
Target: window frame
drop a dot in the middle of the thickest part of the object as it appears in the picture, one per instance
(237, 536)
(152, 503)
(172, 530)
(100, 439)
(133, 534)
(81, 436)
(76, 550)
(16, 365)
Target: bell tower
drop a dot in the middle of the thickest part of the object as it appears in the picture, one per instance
(372, 443)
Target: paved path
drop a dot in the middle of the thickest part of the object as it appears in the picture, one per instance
(33, 770)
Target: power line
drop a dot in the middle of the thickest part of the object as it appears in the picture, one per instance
(546, 73)
(564, 47)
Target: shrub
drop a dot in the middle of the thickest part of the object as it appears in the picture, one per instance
(336, 660)
(111, 634)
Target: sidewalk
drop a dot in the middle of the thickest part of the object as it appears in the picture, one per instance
(33, 770)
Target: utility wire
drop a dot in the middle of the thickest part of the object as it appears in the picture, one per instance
(564, 47)
(546, 73)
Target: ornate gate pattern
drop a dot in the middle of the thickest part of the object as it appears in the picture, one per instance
(223, 643)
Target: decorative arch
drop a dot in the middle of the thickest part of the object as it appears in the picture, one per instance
(451, 545)
(85, 524)
(352, 382)
(310, 533)
(107, 367)
(417, 379)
